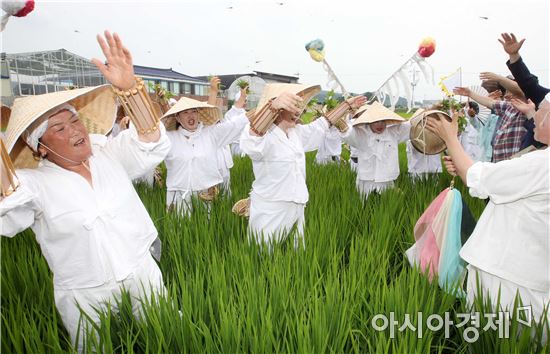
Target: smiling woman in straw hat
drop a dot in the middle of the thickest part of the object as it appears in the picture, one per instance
(277, 146)
(80, 202)
(509, 250)
(192, 162)
(376, 144)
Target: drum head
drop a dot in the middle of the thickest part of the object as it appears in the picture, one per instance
(423, 140)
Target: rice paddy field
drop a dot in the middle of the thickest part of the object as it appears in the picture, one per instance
(226, 295)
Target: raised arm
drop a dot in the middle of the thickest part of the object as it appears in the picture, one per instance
(511, 46)
(528, 82)
(213, 91)
(119, 71)
(508, 84)
(230, 129)
(464, 91)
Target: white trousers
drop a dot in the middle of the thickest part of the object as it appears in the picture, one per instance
(491, 285)
(226, 184)
(144, 281)
(270, 222)
(326, 159)
(182, 201)
(366, 187)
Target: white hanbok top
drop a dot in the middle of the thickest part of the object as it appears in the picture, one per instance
(85, 232)
(279, 161)
(192, 163)
(512, 237)
(331, 145)
(419, 163)
(377, 154)
(225, 158)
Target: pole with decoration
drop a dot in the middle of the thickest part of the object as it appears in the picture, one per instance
(390, 87)
(316, 49)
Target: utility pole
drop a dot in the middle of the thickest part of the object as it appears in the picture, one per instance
(414, 82)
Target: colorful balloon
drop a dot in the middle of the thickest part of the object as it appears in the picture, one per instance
(426, 47)
(17, 8)
(316, 49)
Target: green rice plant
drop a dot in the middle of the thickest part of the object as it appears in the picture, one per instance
(225, 294)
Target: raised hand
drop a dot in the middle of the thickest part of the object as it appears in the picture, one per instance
(527, 108)
(484, 76)
(289, 102)
(215, 84)
(241, 102)
(357, 101)
(119, 70)
(462, 91)
(213, 91)
(510, 43)
(495, 95)
(443, 128)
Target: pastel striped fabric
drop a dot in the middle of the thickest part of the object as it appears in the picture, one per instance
(437, 236)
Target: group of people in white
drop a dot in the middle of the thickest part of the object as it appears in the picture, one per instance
(96, 235)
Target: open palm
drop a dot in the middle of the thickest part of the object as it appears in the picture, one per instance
(510, 43)
(119, 70)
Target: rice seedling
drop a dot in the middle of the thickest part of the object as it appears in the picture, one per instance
(227, 295)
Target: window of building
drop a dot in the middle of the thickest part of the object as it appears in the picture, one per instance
(187, 88)
(175, 88)
(200, 90)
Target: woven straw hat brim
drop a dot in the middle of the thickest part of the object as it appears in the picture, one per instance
(274, 90)
(423, 140)
(376, 112)
(208, 114)
(360, 110)
(96, 107)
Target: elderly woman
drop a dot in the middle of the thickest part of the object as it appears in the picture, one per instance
(192, 163)
(279, 192)
(93, 229)
(508, 251)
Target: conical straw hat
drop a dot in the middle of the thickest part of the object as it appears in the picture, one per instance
(376, 112)
(360, 110)
(422, 139)
(274, 90)
(96, 107)
(208, 114)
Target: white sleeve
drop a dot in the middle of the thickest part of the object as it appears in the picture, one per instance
(227, 132)
(312, 134)
(352, 136)
(510, 180)
(254, 146)
(233, 112)
(18, 211)
(402, 131)
(137, 157)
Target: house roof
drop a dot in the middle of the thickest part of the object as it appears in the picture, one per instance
(166, 73)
